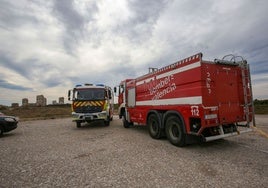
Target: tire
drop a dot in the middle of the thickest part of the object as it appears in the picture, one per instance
(126, 124)
(174, 131)
(154, 126)
(107, 122)
(78, 124)
(1, 130)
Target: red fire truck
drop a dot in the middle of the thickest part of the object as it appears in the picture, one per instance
(189, 99)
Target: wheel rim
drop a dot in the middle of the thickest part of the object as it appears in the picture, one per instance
(154, 126)
(174, 131)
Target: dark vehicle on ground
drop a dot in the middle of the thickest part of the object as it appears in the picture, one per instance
(7, 123)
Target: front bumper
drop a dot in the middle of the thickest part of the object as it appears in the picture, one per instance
(82, 117)
(9, 126)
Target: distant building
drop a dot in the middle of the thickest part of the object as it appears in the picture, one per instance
(25, 102)
(61, 100)
(15, 105)
(54, 102)
(32, 104)
(41, 100)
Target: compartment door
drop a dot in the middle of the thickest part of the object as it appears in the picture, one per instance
(227, 94)
(132, 97)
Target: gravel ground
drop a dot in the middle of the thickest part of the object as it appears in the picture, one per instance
(54, 153)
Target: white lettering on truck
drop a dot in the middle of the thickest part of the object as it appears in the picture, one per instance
(157, 89)
(208, 81)
(195, 110)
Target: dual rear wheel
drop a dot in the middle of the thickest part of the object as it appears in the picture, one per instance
(173, 129)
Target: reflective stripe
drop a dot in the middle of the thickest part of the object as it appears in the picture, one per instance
(175, 71)
(88, 103)
(182, 69)
(183, 100)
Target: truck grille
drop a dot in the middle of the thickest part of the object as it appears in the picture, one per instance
(88, 109)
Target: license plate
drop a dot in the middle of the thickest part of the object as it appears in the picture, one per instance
(89, 117)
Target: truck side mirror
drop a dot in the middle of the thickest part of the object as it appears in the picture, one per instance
(110, 94)
(69, 94)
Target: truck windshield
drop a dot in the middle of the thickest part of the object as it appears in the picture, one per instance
(92, 94)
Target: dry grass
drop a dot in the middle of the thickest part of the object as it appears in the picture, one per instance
(261, 109)
(47, 112)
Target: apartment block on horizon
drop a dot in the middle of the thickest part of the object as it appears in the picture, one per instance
(41, 100)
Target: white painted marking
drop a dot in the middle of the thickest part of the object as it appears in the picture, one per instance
(183, 100)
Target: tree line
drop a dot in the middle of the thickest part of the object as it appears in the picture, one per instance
(261, 102)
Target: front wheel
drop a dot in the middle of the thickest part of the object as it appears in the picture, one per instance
(126, 124)
(107, 122)
(78, 124)
(1, 130)
(174, 131)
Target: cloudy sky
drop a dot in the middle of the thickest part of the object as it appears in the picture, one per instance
(49, 46)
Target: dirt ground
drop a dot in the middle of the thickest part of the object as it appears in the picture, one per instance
(54, 153)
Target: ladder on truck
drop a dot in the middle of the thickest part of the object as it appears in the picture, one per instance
(247, 91)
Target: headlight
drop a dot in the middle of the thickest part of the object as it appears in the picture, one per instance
(103, 114)
(105, 106)
(9, 119)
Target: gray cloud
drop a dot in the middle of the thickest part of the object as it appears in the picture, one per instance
(22, 68)
(68, 15)
(73, 21)
(6, 85)
(260, 67)
(145, 15)
(13, 16)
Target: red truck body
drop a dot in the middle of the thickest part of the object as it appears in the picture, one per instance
(190, 98)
